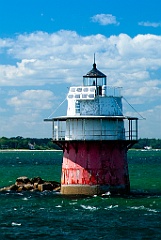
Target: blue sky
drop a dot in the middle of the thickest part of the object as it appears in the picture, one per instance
(48, 45)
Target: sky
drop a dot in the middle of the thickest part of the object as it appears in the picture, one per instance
(46, 46)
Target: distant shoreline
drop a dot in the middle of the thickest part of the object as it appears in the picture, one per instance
(57, 150)
(28, 150)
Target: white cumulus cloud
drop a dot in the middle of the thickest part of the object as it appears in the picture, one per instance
(150, 24)
(105, 19)
(32, 99)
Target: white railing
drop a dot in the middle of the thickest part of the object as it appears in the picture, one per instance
(88, 135)
(60, 133)
(112, 91)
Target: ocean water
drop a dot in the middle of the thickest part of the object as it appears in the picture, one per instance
(47, 215)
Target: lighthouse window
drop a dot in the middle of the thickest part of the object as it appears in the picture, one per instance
(70, 96)
(92, 89)
(77, 96)
(79, 90)
(91, 95)
(72, 89)
(101, 81)
(85, 89)
(77, 107)
(84, 95)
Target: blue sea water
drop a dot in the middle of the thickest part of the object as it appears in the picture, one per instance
(48, 215)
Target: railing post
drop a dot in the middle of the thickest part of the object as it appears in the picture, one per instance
(84, 129)
(136, 129)
(131, 131)
(129, 128)
(53, 130)
(101, 127)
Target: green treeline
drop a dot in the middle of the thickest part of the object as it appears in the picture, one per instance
(148, 143)
(47, 144)
(27, 143)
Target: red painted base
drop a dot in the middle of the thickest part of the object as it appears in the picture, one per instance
(94, 167)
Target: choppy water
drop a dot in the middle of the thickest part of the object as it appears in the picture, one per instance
(51, 216)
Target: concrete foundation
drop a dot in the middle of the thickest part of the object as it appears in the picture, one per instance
(88, 190)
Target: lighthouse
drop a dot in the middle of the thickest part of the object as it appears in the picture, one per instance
(95, 137)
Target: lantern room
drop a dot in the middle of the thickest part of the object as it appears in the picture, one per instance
(95, 78)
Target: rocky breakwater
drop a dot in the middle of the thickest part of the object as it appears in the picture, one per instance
(32, 184)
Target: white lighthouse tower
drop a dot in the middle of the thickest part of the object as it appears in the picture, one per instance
(95, 137)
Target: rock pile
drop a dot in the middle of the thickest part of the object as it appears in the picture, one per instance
(34, 184)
